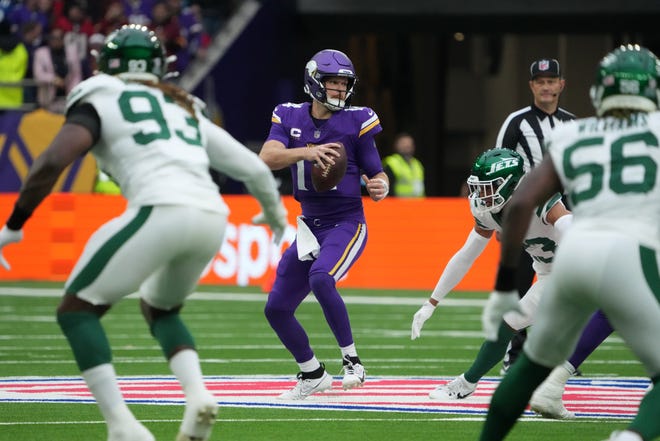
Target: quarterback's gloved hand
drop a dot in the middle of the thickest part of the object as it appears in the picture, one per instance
(277, 221)
(422, 315)
(499, 302)
(8, 236)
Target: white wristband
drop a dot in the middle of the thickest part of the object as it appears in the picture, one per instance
(387, 187)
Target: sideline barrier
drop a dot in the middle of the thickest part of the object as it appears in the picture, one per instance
(410, 242)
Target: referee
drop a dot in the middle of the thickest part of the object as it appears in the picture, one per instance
(524, 131)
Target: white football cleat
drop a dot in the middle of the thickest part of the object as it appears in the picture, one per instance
(198, 419)
(354, 374)
(307, 386)
(457, 389)
(547, 398)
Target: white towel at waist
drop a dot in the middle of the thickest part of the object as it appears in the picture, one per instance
(308, 246)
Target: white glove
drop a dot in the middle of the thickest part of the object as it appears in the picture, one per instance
(277, 221)
(499, 302)
(8, 236)
(422, 315)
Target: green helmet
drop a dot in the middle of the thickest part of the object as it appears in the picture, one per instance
(133, 51)
(495, 175)
(627, 78)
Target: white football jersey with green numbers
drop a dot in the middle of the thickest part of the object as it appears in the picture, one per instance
(150, 145)
(541, 239)
(610, 170)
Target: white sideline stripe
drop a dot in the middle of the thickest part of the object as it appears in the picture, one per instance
(252, 297)
(295, 420)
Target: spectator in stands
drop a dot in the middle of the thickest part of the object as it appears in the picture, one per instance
(75, 20)
(77, 27)
(56, 9)
(166, 26)
(406, 173)
(57, 70)
(94, 45)
(138, 11)
(113, 19)
(32, 37)
(190, 21)
(30, 11)
(13, 66)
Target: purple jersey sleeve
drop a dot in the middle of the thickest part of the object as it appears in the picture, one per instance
(355, 128)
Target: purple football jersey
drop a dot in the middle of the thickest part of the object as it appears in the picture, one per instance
(355, 128)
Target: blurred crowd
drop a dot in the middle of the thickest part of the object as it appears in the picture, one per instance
(48, 44)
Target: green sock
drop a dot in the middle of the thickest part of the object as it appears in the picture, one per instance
(171, 333)
(490, 354)
(86, 337)
(646, 422)
(511, 397)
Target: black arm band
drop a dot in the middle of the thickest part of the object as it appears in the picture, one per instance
(17, 218)
(506, 279)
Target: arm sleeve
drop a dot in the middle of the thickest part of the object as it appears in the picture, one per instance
(562, 225)
(368, 156)
(232, 158)
(459, 264)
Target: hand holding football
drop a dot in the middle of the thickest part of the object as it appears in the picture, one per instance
(324, 179)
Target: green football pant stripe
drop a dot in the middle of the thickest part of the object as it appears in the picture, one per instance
(101, 258)
(86, 337)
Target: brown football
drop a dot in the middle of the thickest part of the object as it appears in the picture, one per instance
(326, 179)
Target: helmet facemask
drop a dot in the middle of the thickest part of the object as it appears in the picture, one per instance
(324, 65)
(495, 175)
(334, 104)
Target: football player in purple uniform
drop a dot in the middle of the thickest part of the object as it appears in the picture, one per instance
(332, 232)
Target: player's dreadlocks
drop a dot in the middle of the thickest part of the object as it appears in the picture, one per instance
(180, 96)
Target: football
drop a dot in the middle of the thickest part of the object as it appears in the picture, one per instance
(326, 179)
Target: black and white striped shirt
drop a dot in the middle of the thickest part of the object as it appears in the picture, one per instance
(525, 129)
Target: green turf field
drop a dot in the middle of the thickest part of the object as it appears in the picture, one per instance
(234, 339)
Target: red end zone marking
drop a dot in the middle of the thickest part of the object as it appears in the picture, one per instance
(589, 398)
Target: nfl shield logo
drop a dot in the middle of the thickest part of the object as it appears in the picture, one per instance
(544, 65)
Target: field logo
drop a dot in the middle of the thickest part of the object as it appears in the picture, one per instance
(589, 398)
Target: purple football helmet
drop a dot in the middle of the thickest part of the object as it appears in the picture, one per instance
(329, 63)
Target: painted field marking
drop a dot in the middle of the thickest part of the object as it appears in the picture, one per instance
(600, 398)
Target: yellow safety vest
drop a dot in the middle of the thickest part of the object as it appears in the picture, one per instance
(408, 176)
(13, 66)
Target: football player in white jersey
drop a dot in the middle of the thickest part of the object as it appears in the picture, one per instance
(154, 140)
(609, 167)
(495, 176)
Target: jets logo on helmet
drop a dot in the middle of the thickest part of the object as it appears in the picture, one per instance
(627, 78)
(495, 175)
(503, 164)
(133, 52)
